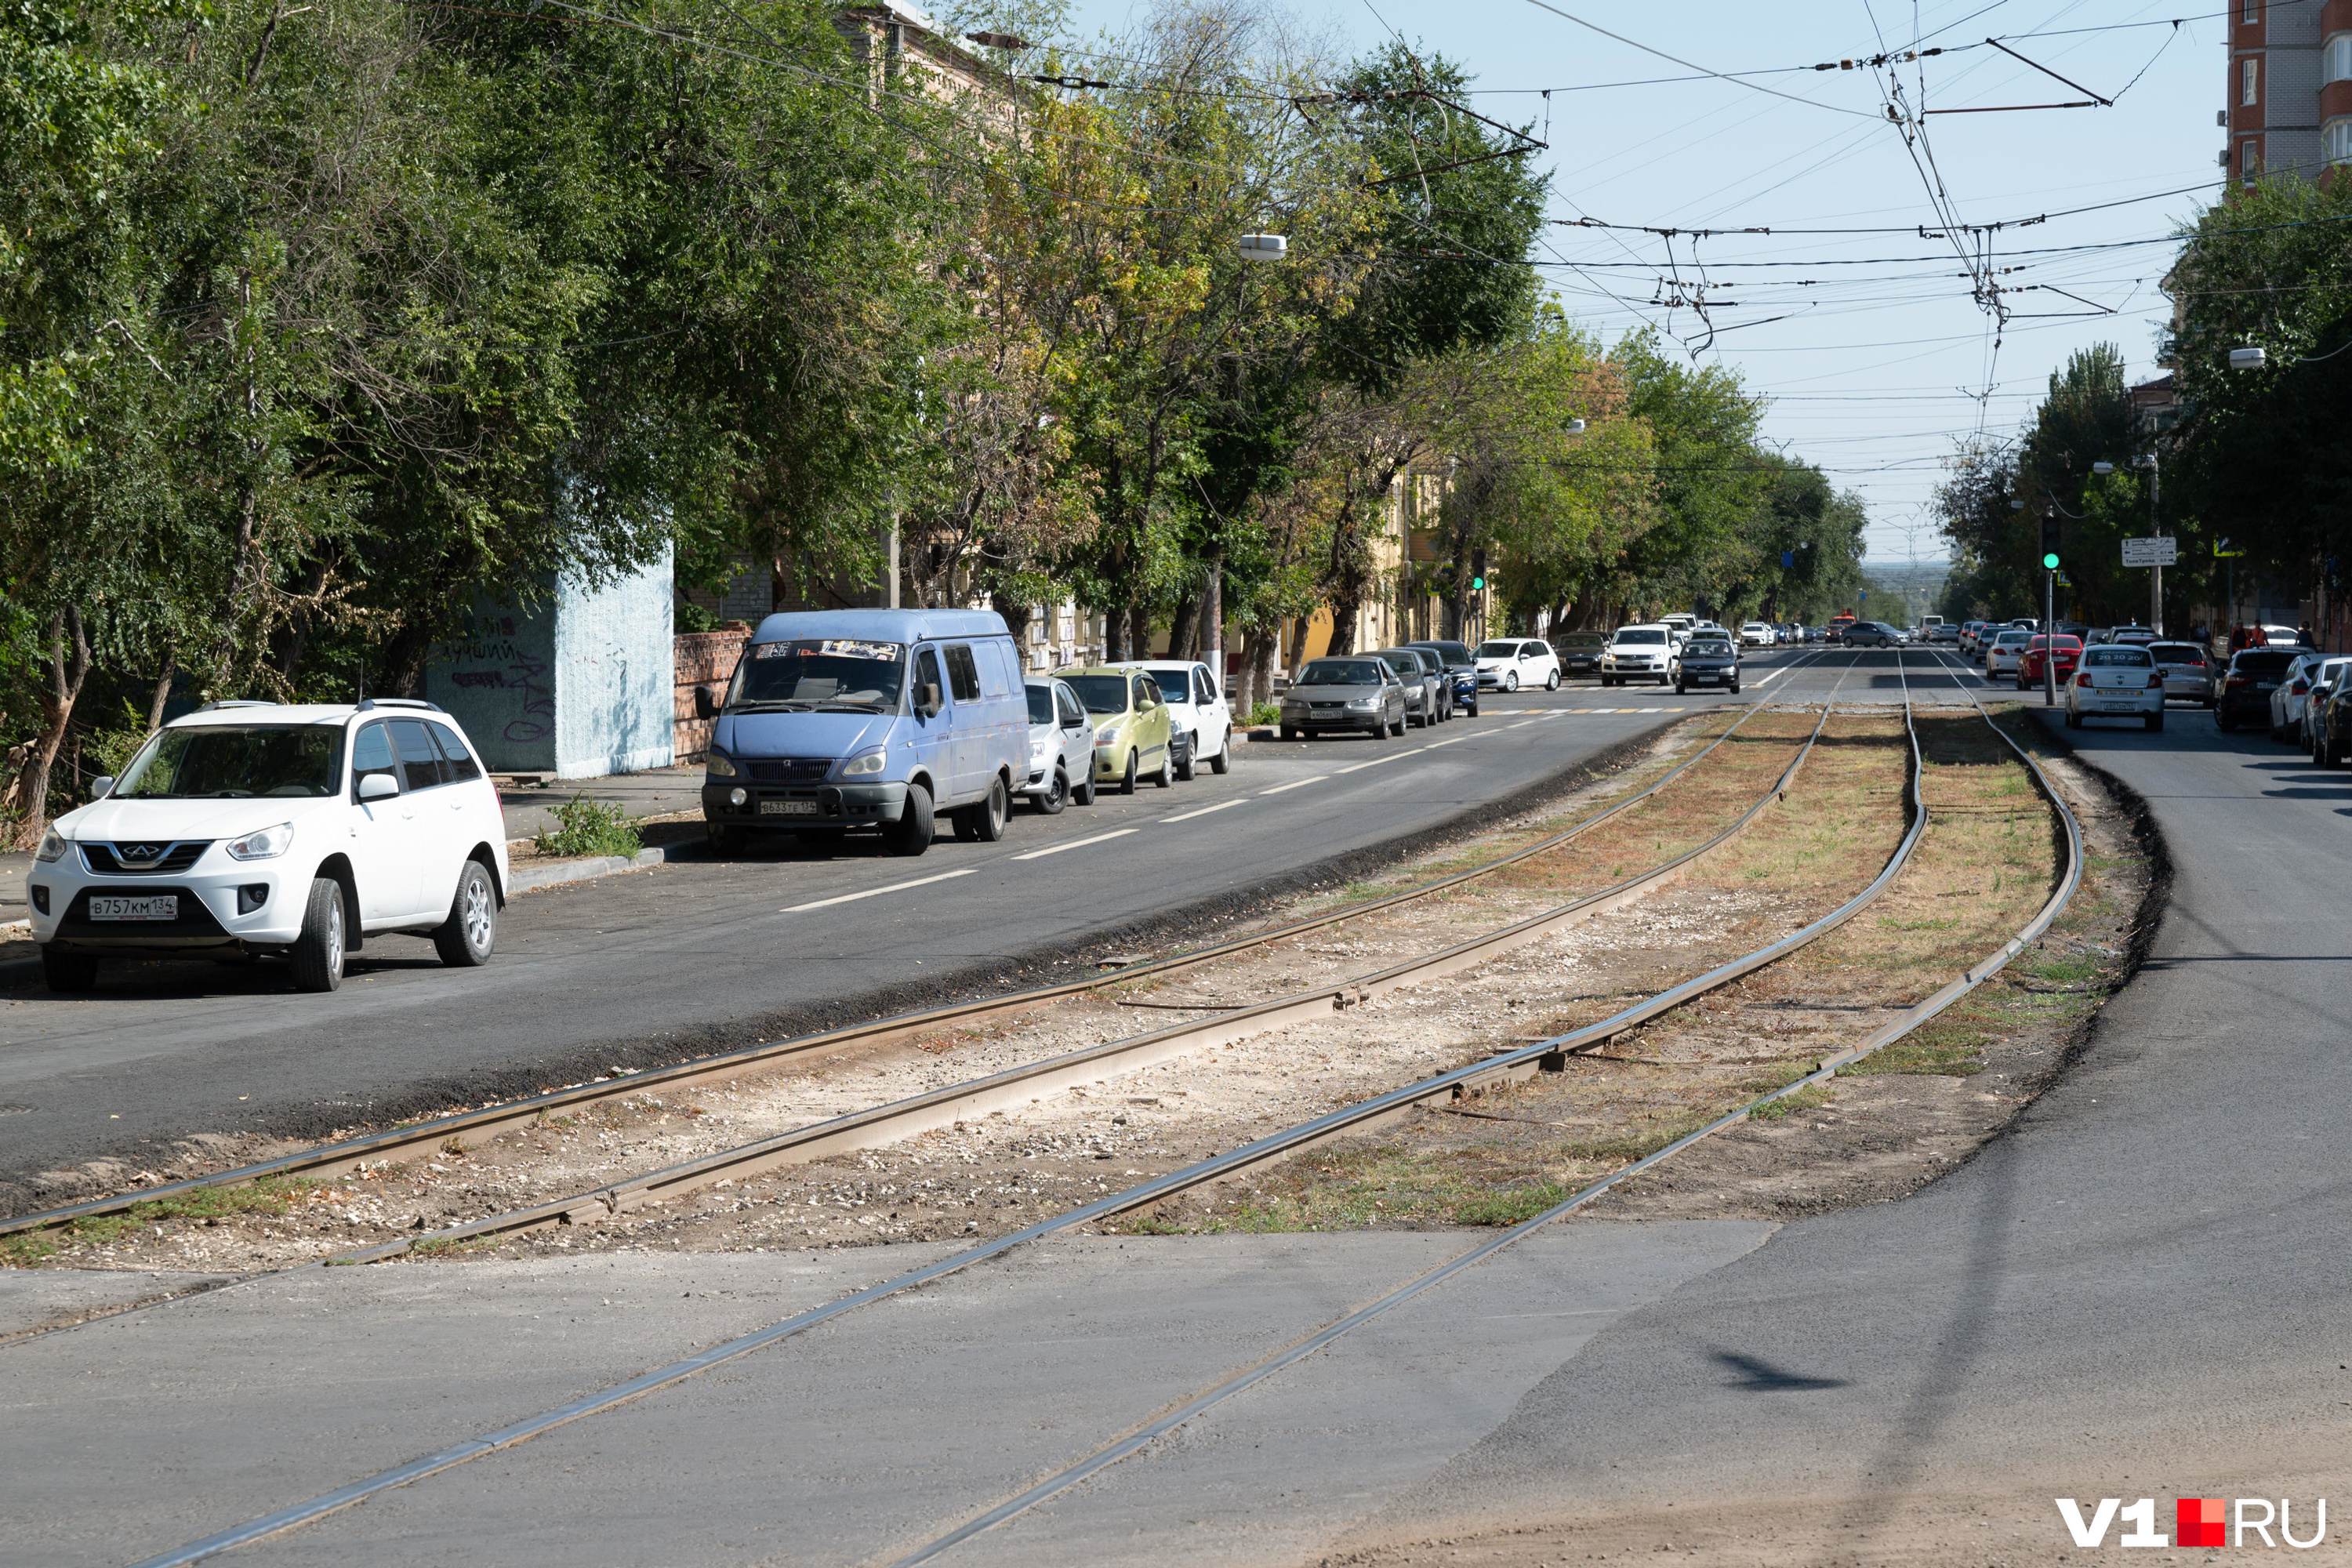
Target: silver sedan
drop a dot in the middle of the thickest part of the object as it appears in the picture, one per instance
(1348, 693)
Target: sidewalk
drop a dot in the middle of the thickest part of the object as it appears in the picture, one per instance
(655, 793)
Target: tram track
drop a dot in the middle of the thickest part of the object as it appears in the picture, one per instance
(355, 1155)
(1467, 1079)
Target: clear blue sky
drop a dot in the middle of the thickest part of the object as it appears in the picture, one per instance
(1879, 345)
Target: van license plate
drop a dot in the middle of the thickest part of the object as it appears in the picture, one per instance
(162, 907)
(788, 808)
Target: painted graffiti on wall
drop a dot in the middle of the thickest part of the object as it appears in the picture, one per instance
(511, 680)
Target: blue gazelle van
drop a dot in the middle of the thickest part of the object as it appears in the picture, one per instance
(877, 720)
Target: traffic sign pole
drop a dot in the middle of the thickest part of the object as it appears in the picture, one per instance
(2049, 638)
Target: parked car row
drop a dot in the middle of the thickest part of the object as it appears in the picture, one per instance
(2296, 693)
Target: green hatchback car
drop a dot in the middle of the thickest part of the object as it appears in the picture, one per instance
(1133, 735)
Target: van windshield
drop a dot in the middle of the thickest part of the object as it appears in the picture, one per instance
(218, 760)
(822, 675)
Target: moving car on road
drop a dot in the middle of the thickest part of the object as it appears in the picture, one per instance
(1135, 738)
(1639, 653)
(1872, 633)
(2245, 696)
(1707, 661)
(1580, 652)
(1757, 634)
(2060, 653)
(2005, 651)
(1508, 663)
(1061, 748)
(1197, 707)
(1353, 691)
(873, 720)
(1463, 669)
(2188, 672)
(2115, 682)
(292, 832)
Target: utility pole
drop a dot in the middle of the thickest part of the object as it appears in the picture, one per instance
(2049, 637)
(2155, 573)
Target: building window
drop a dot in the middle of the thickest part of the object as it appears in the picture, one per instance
(2250, 161)
(2336, 142)
(2253, 11)
(2249, 82)
(2338, 58)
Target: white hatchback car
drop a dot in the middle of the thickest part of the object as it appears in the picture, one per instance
(2115, 682)
(1197, 706)
(1061, 747)
(248, 828)
(1508, 663)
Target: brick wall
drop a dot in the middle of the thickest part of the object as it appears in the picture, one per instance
(702, 656)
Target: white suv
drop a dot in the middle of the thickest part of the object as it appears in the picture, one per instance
(1639, 653)
(1757, 634)
(248, 828)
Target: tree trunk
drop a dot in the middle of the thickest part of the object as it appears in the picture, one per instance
(1213, 616)
(1017, 619)
(68, 666)
(163, 691)
(1183, 626)
(1345, 614)
(1259, 664)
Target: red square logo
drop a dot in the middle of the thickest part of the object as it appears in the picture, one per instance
(2198, 1521)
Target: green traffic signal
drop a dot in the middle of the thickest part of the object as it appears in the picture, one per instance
(2049, 561)
(1477, 585)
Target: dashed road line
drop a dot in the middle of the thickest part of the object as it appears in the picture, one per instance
(902, 887)
(1205, 811)
(1295, 784)
(1057, 848)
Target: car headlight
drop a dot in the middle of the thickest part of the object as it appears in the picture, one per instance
(721, 765)
(1365, 702)
(53, 847)
(266, 845)
(866, 764)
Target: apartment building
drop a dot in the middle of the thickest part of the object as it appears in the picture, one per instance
(2290, 87)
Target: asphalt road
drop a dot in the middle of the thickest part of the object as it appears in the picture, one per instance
(2146, 1289)
(649, 967)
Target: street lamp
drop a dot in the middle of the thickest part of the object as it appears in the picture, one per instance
(2250, 357)
(1265, 246)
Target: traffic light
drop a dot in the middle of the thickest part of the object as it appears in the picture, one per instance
(1477, 571)
(2050, 544)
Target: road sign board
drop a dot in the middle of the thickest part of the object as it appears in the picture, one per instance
(2151, 552)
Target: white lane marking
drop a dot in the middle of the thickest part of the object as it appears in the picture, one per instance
(1295, 784)
(1376, 762)
(1075, 844)
(1520, 725)
(1653, 710)
(877, 892)
(1434, 744)
(1205, 811)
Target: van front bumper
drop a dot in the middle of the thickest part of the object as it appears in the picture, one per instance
(742, 804)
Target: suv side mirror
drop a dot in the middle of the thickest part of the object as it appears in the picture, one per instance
(705, 701)
(927, 701)
(102, 786)
(377, 786)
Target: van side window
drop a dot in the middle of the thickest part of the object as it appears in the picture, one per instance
(926, 669)
(962, 673)
(999, 675)
(371, 754)
(459, 760)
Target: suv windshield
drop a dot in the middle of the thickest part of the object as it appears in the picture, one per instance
(1641, 635)
(1100, 693)
(818, 673)
(1707, 647)
(1582, 640)
(218, 760)
(1341, 672)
